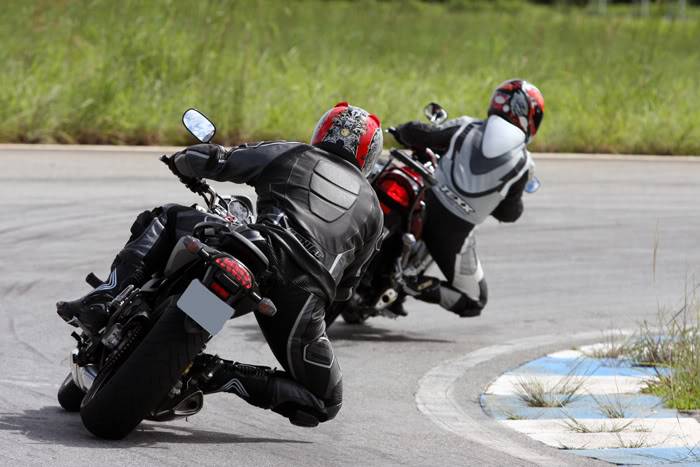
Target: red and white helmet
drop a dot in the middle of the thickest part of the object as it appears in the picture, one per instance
(519, 103)
(351, 132)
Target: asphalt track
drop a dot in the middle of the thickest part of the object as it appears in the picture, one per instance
(602, 245)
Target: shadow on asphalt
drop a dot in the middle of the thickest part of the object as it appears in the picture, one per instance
(53, 425)
(362, 333)
(349, 332)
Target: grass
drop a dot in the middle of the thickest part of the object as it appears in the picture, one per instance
(613, 426)
(673, 342)
(536, 393)
(510, 415)
(101, 71)
(640, 442)
(614, 346)
(611, 407)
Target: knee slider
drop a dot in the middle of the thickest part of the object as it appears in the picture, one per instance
(335, 401)
(319, 353)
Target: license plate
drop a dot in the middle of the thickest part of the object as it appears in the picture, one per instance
(204, 307)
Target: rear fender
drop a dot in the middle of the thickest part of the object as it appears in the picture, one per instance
(179, 258)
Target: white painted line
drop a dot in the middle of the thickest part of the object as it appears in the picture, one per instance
(509, 383)
(88, 147)
(567, 354)
(435, 399)
(613, 157)
(648, 432)
(170, 149)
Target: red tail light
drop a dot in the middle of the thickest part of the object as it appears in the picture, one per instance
(396, 191)
(219, 290)
(236, 270)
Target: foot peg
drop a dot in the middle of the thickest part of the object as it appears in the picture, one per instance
(93, 281)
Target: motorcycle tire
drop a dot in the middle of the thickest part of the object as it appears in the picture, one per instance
(353, 317)
(70, 395)
(118, 402)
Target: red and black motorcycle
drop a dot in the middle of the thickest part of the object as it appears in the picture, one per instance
(401, 183)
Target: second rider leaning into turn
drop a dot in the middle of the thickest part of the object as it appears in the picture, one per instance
(483, 171)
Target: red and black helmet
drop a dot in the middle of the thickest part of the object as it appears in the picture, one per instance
(520, 103)
(351, 132)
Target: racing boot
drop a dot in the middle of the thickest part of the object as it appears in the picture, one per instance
(262, 387)
(397, 307)
(423, 288)
(432, 290)
(92, 310)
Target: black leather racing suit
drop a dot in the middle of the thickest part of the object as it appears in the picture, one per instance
(449, 237)
(320, 221)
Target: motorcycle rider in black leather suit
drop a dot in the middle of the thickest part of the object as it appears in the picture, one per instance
(483, 171)
(318, 222)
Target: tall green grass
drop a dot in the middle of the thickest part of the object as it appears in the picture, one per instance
(673, 342)
(123, 71)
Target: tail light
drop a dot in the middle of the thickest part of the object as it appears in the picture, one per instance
(385, 209)
(236, 270)
(220, 291)
(396, 191)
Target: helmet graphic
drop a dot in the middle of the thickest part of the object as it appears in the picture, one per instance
(519, 103)
(350, 132)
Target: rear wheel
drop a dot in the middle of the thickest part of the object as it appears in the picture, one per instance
(120, 399)
(70, 395)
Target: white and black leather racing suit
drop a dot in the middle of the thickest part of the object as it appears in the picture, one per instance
(318, 222)
(477, 177)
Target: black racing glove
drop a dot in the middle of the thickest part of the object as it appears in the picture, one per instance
(204, 156)
(200, 155)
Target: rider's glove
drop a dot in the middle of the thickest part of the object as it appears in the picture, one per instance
(195, 159)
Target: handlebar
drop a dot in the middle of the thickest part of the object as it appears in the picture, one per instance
(195, 185)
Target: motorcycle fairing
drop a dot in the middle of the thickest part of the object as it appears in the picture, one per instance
(179, 257)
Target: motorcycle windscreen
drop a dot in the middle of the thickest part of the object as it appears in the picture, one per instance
(500, 137)
(204, 307)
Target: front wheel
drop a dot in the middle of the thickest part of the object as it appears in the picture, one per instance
(119, 400)
(70, 395)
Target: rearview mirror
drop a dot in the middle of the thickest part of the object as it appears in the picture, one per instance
(199, 125)
(533, 185)
(435, 113)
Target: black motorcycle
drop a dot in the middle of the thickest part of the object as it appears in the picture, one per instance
(401, 183)
(142, 364)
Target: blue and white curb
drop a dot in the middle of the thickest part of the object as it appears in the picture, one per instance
(646, 432)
